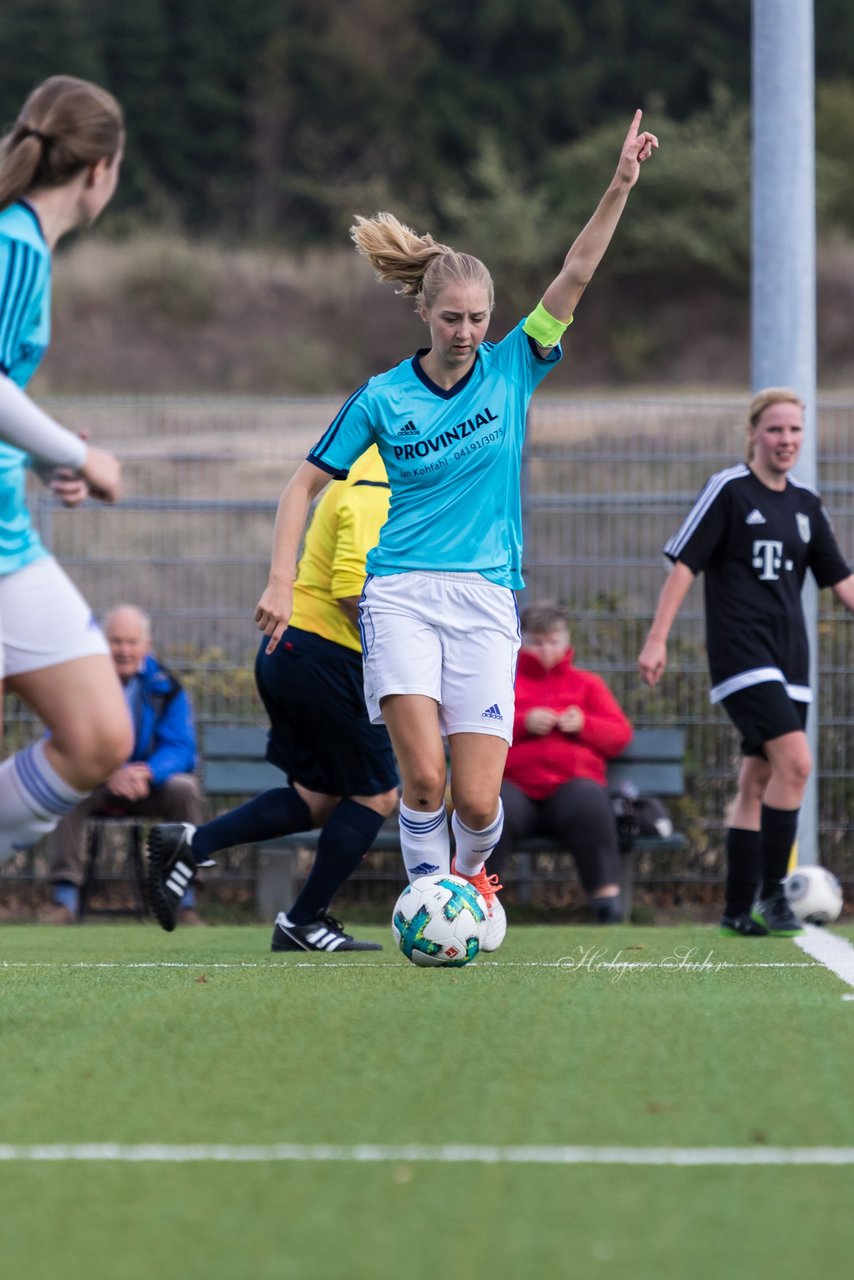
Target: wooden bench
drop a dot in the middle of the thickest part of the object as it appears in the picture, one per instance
(234, 765)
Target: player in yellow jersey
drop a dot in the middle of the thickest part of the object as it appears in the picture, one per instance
(341, 770)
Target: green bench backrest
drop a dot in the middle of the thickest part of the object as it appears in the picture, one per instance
(234, 763)
(653, 762)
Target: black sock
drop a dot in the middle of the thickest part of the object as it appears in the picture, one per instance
(273, 813)
(779, 831)
(607, 910)
(743, 869)
(346, 837)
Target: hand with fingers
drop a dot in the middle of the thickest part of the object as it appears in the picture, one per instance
(637, 148)
(68, 486)
(540, 720)
(273, 612)
(131, 782)
(652, 660)
(571, 720)
(102, 472)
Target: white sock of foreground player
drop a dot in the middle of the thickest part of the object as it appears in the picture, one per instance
(33, 798)
(424, 842)
(474, 847)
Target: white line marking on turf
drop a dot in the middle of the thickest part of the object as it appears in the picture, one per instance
(370, 1154)
(831, 950)
(707, 965)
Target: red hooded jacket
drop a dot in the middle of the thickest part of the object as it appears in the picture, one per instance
(538, 764)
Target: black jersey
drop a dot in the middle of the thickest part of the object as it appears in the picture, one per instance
(754, 545)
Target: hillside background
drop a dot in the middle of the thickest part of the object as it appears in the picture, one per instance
(256, 132)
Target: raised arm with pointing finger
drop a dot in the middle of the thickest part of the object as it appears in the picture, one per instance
(564, 292)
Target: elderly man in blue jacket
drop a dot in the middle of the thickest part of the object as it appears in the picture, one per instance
(157, 780)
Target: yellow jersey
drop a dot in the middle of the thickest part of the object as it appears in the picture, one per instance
(344, 528)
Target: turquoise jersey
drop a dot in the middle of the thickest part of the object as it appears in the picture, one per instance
(24, 337)
(453, 459)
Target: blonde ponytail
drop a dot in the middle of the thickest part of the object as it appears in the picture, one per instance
(419, 264)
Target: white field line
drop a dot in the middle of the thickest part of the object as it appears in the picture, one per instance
(831, 951)
(840, 959)
(685, 964)
(163, 1153)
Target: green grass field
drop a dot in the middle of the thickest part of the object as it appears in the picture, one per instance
(300, 1078)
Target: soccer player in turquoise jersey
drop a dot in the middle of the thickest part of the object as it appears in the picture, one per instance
(58, 169)
(438, 615)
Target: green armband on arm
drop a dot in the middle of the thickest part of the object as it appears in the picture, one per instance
(543, 328)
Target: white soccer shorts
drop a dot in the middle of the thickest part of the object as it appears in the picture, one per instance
(453, 637)
(44, 620)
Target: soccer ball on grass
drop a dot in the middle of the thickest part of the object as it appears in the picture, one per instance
(814, 894)
(440, 920)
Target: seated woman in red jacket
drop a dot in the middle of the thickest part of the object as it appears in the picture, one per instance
(567, 727)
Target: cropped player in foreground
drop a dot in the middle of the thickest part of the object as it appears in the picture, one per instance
(753, 532)
(59, 166)
(438, 614)
(341, 771)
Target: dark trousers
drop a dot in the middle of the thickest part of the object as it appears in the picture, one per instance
(578, 814)
(178, 800)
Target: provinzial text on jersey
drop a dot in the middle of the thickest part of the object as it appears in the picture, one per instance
(423, 448)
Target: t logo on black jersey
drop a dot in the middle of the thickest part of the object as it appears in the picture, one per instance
(767, 556)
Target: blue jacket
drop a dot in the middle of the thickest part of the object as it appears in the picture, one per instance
(164, 733)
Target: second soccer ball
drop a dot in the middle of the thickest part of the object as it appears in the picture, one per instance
(814, 894)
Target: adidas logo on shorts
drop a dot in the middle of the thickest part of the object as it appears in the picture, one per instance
(408, 429)
(492, 713)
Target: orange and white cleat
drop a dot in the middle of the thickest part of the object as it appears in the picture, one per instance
(487, 887)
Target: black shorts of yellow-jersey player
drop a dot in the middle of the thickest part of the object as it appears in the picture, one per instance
(320, 733)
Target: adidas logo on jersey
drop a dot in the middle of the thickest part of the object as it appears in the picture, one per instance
(755, 517)
(424, 869)
(492, 713)
(408, 429)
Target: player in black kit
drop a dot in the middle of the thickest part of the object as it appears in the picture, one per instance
(753, 532)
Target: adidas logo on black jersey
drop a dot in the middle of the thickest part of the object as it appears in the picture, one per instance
(492, 713)
(755, 517)
(408, 429)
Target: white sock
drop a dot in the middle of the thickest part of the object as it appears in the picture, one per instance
(424, 842)
(33, 797)
(474, 847)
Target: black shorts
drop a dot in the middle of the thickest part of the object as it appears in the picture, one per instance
(762, 712)
(320, 734)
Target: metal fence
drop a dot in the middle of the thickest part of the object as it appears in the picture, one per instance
(605, 482)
